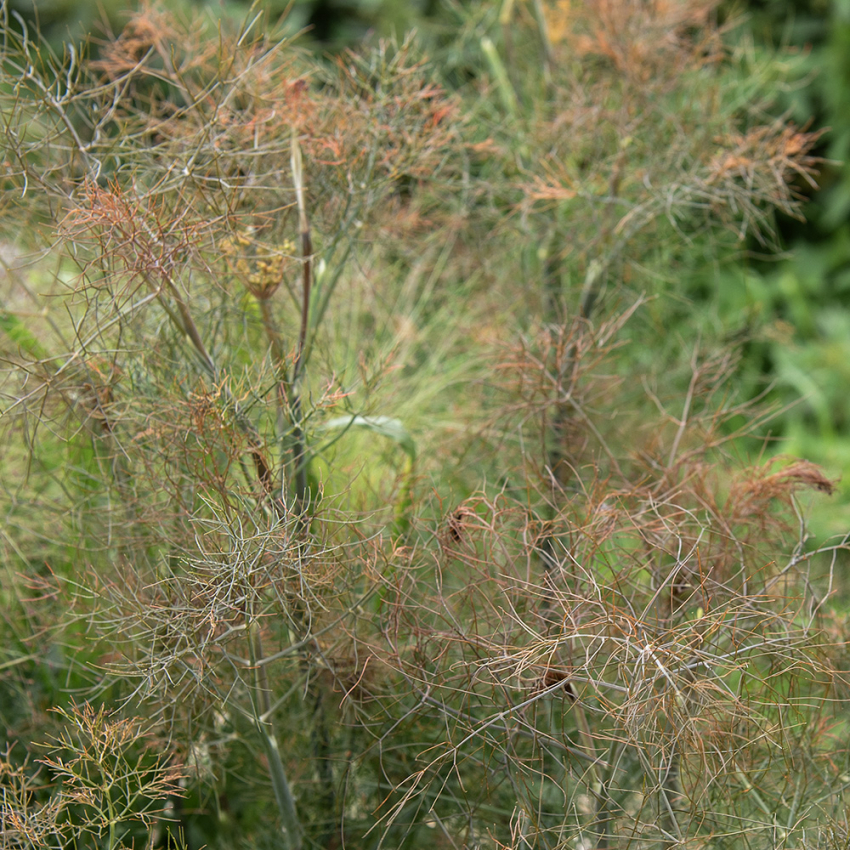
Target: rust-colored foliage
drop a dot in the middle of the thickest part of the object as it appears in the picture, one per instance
(381, 447)
(642, 40)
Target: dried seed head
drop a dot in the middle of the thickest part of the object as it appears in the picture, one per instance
(457, 523)
(551, 677)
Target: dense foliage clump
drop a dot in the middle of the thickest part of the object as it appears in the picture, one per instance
(374, 473)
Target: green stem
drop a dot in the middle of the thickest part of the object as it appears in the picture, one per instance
(293, 834)
(287, 424)
(110, 808)
(595, 784)
(302, 492)
(503, 82)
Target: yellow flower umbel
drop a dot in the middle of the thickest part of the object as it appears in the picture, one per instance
(261, 274)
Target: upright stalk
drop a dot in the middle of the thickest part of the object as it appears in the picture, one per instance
(302, 494)
(293, 833)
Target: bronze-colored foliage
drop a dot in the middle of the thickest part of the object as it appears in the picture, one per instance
(360, 437)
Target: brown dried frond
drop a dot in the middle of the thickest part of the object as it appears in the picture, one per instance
(144, 234)
(751, 497)
(409, 119)
(694, 524)
(639, 38)
(766, 159)
(144, 33)
(555, 187)
(549, 368)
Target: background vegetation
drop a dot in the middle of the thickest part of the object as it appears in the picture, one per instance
(414, 446)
